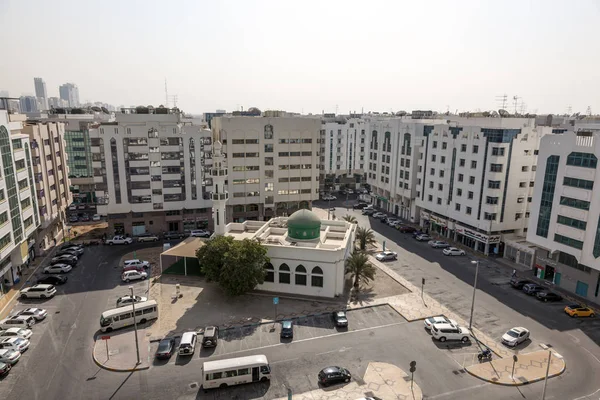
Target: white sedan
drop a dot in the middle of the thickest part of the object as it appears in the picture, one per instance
(148, 238)
(57, 269)
(515, 336)
(438, 244)
(9, 356)
(22, 333)
(453, 251)
(387, 255)
(429, 322)
(128, 300)
(37, 313)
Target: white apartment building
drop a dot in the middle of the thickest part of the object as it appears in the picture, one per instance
(565, 225)
(342, 152)
(19, 217)
(476, 178)
(273, 164)
(51, 176)
(151, 172)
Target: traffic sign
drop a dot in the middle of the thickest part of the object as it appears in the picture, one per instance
(275, 300)
(104, 337)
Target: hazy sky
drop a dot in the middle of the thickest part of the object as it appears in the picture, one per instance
(308, 55)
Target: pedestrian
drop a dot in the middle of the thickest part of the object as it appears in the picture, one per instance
(514, 273)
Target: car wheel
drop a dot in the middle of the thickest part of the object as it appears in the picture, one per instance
(545, 300)
(443, 339)
(46, 272)
(43, 296)
(263, 379)
(126, 280)
(108, 329)
(223, 386)
(110, 243)
(143, 277)
(465, 339)
(347, 380)
(156, 240)
(24, 296)
(143, 321)
(575, 315)
(592, 315)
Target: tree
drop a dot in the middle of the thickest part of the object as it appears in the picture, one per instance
(365, 237)
(360, 268)
(350, 218)
(237, 265)
(244, 267)
(211, 256)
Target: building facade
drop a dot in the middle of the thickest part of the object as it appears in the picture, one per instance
(272, 162)
(69, 92)
(29, 104)
(19, 216)
(151, 172)
(566, 222)
(51, 177)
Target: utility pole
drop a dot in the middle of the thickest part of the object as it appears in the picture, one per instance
(474, 290)
(137, 345)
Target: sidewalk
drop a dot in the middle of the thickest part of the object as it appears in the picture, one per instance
(121, 356)
(381, 380)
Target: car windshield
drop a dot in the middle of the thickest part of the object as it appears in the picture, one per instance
(341, 314)
(512, 333)
(573, 306)
(286, 325)
(164, 345)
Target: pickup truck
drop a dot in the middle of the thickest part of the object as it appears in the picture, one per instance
(119, 240)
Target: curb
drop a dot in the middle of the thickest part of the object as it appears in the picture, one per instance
(520, 383)
(99, 364)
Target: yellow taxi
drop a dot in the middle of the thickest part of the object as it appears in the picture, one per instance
(576, 310)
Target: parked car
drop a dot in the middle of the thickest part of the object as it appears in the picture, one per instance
(429, 322)
(173, 235)
(340, 319)
(53, 280)
(387, 255)
(73, 250)
(73, 219)
(38, 291)
(210, 337)
(287, 329)
(438, 244)
(423, 237)
(133, 276)
(330, 375)
(23, 333)
(96, 217)
(84, 218)
(72, 207)
(385, 219)
(453, 251)
(147, 238)
(378, 215)
(187, 346)
(203, 233)
(136, 263)
(14, 343)
(9, 356)
(368, 211)
(515, 336)
(64, 259)
(81, 207)
(4, 368)
(128, 300)
(69, 245)
(548, 296)
(165, 348)
(119, 240)
(37, 313)
(532, 288)
(57, 269)
(405, 228)
(359, 206)
(443, 332)
(393, 222)
(134, 268)
(67, 252)
(17, 321)
(576, 310)
(417, 233)
(518, 283)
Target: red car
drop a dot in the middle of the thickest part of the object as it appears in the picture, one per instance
(134, 268)
(405, 229)
(4, 368)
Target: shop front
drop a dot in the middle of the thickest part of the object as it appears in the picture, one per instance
(439, 225)
(486, 244)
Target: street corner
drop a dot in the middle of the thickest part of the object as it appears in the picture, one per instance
(388, 381)
(520, 370)
(117, 352)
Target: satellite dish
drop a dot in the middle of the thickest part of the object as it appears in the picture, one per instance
(104, 110)
(503, 113)
(97, 109)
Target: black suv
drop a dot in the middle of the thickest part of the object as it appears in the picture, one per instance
(518, 283)
(211, 336)
(53, 280)
(287, 329)
(359, 206)
(330, 375)
(340, 319)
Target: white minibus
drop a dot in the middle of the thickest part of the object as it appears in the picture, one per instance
(123, 316)
(235, 371)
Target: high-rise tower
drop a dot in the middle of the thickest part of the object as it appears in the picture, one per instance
(220, 195)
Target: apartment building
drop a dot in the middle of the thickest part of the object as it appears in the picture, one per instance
(51, 177)
(565, 226)
(19, 216)
(476, 179)
(342, 152)
(151, 171)
(273, 164)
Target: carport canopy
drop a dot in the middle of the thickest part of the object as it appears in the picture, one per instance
(184, 253)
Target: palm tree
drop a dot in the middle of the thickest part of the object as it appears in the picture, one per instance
(361, 269)
(365, 237)
(350, 218)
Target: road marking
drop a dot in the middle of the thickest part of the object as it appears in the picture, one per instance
(586, 396)
(343, 349)
(439, 396)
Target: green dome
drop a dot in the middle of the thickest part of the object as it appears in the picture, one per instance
(304, 225)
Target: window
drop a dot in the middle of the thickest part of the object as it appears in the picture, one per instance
(441, 173)
(475, 149)
(3, 218)
(300, 275)
(520, 200)
(524, 168)
(443, 160)
(269, 132)
(470, 195)
(433, 158)
(522, 184)
(461, 177)
(431, 184)
(568, 241)
(578, 183)
(575, 203)
(468, 211)
(471, 180)
(461, 162)
(491, 200)
(497, 151)
(316, 277)
(586, 160)
(495, 167)
(572, 222)
(439, 200)
(444, 145)
(268, 160)
(493, 184)
(432, 171)
(268, 148)
(489, 216)
(284, 274)
(269, 273)
(440, 186)
(457, 207)
(463, 148)
(459, 192)
(20, 164)
(473, 164)
(435, 144)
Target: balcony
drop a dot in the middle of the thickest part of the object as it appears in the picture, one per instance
(218, 171)
(220, 196)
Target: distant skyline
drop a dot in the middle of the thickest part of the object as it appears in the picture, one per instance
(311, 56)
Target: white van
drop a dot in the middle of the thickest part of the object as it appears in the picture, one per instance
(187, 346)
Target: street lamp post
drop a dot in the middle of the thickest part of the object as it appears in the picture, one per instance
(137, 346)
(474, 290)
